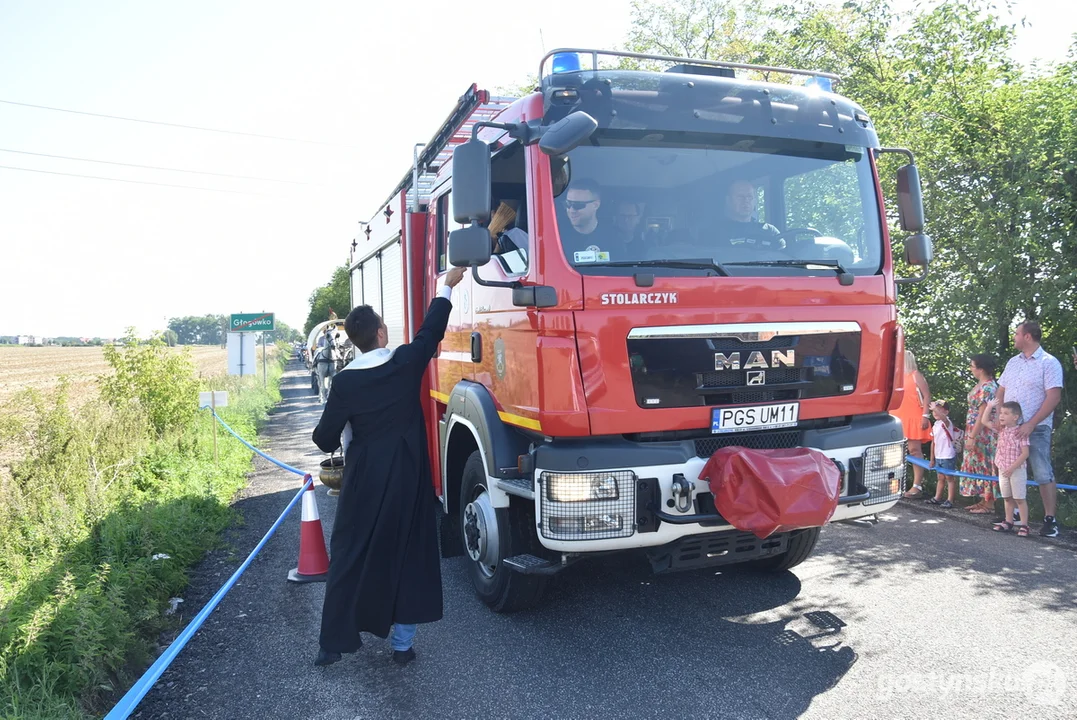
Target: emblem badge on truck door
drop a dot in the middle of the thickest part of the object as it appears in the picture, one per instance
(499, 358)
(757, 377)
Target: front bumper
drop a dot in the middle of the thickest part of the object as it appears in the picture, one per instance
(652, 504)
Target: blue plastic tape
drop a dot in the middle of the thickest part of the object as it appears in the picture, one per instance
(957, 473)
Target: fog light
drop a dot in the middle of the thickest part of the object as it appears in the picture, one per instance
(580, 487)
(602, 523)
(895, 485)
(565, 525)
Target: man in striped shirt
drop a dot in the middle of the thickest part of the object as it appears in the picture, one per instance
(1033, 378)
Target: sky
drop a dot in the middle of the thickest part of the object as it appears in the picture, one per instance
(354, 85)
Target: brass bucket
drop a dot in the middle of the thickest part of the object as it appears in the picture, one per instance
(331, 473)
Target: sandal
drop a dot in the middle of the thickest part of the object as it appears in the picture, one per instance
(1022, 530)
(1004, 526)
(946, 505)
(914, 492)
(933, 501)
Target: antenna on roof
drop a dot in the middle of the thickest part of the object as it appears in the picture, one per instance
(542, 42)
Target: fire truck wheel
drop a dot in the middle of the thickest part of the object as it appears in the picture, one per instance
(801, 544)
(490, 535)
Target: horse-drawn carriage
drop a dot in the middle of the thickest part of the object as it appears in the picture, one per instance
(328, 351)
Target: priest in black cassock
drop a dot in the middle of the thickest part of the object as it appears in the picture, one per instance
(384, 566)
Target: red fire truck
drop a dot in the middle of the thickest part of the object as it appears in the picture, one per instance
(665, 262)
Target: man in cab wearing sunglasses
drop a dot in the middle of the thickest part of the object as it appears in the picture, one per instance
(582, 235)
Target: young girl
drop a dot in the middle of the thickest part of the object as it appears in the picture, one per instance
(945, 438)
(1011, 451)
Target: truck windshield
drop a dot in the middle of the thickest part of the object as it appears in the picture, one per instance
(750, 206)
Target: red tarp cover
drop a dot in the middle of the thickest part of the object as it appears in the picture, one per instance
(768, 491)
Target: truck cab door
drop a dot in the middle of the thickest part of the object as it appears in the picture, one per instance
(453, 361)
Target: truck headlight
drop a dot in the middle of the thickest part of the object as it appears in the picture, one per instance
(587, 506)
(884, 472)
(885, 457)
(580, 487)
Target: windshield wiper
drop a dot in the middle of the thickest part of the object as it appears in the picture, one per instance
(844, 276)
(676, 264)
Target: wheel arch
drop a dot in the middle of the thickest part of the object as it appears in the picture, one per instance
(472, 423)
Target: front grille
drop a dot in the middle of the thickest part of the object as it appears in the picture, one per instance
(752, 396)
(749, 396)
(705, 447)
(587, 519)
(738, 378)
(733, 344)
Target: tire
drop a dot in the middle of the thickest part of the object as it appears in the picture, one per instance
(801, 544)
(501, 588)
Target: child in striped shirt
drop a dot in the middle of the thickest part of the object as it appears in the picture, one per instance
(1011, 452)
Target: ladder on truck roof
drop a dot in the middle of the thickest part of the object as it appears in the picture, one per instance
(473, 106)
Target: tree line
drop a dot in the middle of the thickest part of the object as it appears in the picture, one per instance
(334, 296)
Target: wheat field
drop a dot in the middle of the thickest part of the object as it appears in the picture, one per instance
(22, 368)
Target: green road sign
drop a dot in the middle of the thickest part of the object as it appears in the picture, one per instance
(251, 322)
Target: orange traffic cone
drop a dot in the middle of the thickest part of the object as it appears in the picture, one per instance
(313, 559)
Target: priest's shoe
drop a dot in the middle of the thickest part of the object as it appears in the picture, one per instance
(326, 658)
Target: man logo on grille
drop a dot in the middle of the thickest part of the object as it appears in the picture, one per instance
(757, 377)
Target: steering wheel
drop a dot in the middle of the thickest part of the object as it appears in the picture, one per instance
(790, 234)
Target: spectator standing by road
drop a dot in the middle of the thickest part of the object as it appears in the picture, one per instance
(915, 419)
(1033, 379)
(945, 439)
(1010, 455)
(978, 457)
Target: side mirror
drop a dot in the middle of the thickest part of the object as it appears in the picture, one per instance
(538, 296)
(469, 246)
(910, 199)
(918, 250)
(566, 133)
(471, 192)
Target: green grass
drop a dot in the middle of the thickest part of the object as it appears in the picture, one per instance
(96, 494)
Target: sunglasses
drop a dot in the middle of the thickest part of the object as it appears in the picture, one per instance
(577, 204)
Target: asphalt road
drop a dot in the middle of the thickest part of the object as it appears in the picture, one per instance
(919, 615)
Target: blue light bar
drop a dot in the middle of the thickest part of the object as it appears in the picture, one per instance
(823, 83)
(566, 62)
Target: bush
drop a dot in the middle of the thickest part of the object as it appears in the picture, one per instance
(96, 496)
(160, 381)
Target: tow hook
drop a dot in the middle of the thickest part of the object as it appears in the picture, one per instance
(682, 493)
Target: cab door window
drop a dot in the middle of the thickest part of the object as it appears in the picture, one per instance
(509, 236)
